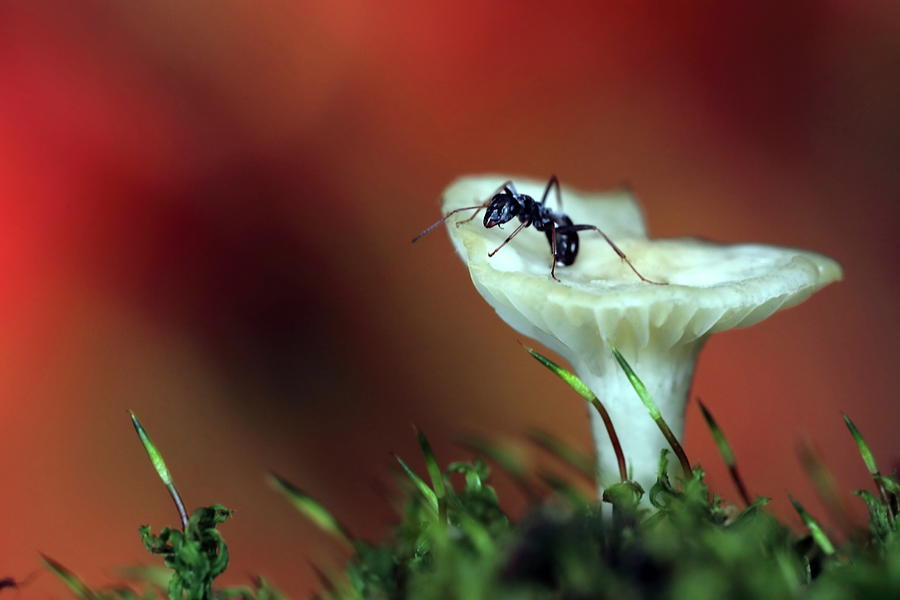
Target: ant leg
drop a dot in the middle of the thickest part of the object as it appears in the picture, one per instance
(428, 229)
(613, 246)
(554, 182)
(553, 254)
(521, 226)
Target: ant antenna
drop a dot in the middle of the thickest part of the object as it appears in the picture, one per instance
(431, 227)
(506, 186)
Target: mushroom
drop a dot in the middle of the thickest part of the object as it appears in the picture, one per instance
(660, 329)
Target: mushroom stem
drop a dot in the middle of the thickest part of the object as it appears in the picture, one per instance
(667, 374)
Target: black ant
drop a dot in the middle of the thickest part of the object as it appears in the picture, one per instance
(562, 234)
(14, 584)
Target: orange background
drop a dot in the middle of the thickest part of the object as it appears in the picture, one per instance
(206, 213)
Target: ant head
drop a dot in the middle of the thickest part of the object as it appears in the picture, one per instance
(503, 208)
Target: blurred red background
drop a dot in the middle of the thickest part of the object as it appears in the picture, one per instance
(206, 214)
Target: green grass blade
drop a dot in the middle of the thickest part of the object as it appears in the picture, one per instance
(570, 456)
(328, 582)
(637, 384)
(726, 452)
(309, 507)
(814, 528)
(564, 490)
(824, 484)
(147, 575)
(155, 456)
(653, 409)
(585, 392)
(864, 451)
(570, 378)
(159, 464)
(426, 491)
(72, 581)
(434, 470)
(719, 437)
(869, 460)
(434, 473)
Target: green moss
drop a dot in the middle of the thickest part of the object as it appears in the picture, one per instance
(688, 545)
(677, 540)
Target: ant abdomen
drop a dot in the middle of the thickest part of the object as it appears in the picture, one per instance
(566, 241)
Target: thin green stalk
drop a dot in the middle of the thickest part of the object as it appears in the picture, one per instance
(427, 492)
(585, 392)
(613, 437)
(726, 452)
(823, 482)
(435, 473)
(309, 507)
(583, 464)
(326, 580)
(159, 464)
(814, 528)
(72, 581)
(869, 460)
(657, 417)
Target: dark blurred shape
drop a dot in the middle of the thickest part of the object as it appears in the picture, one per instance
(240, 258)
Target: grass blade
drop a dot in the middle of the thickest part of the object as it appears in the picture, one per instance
(570, 378)
(814, 528)
(823, 482)
(570, 456)
(157, 577)
(434, 472)
(864, 451)
(585, 392)
(564, 490)
(869, 460)
(72, 581)
(309, 507)
(328, 583)
(159, 464)
(156, 458)
(657, 417)
(726, 452)
(426, 491)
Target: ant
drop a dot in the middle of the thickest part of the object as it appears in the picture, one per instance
(14, 584)
(562, 234)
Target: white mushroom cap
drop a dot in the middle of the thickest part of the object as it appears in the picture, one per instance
(658, 328)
